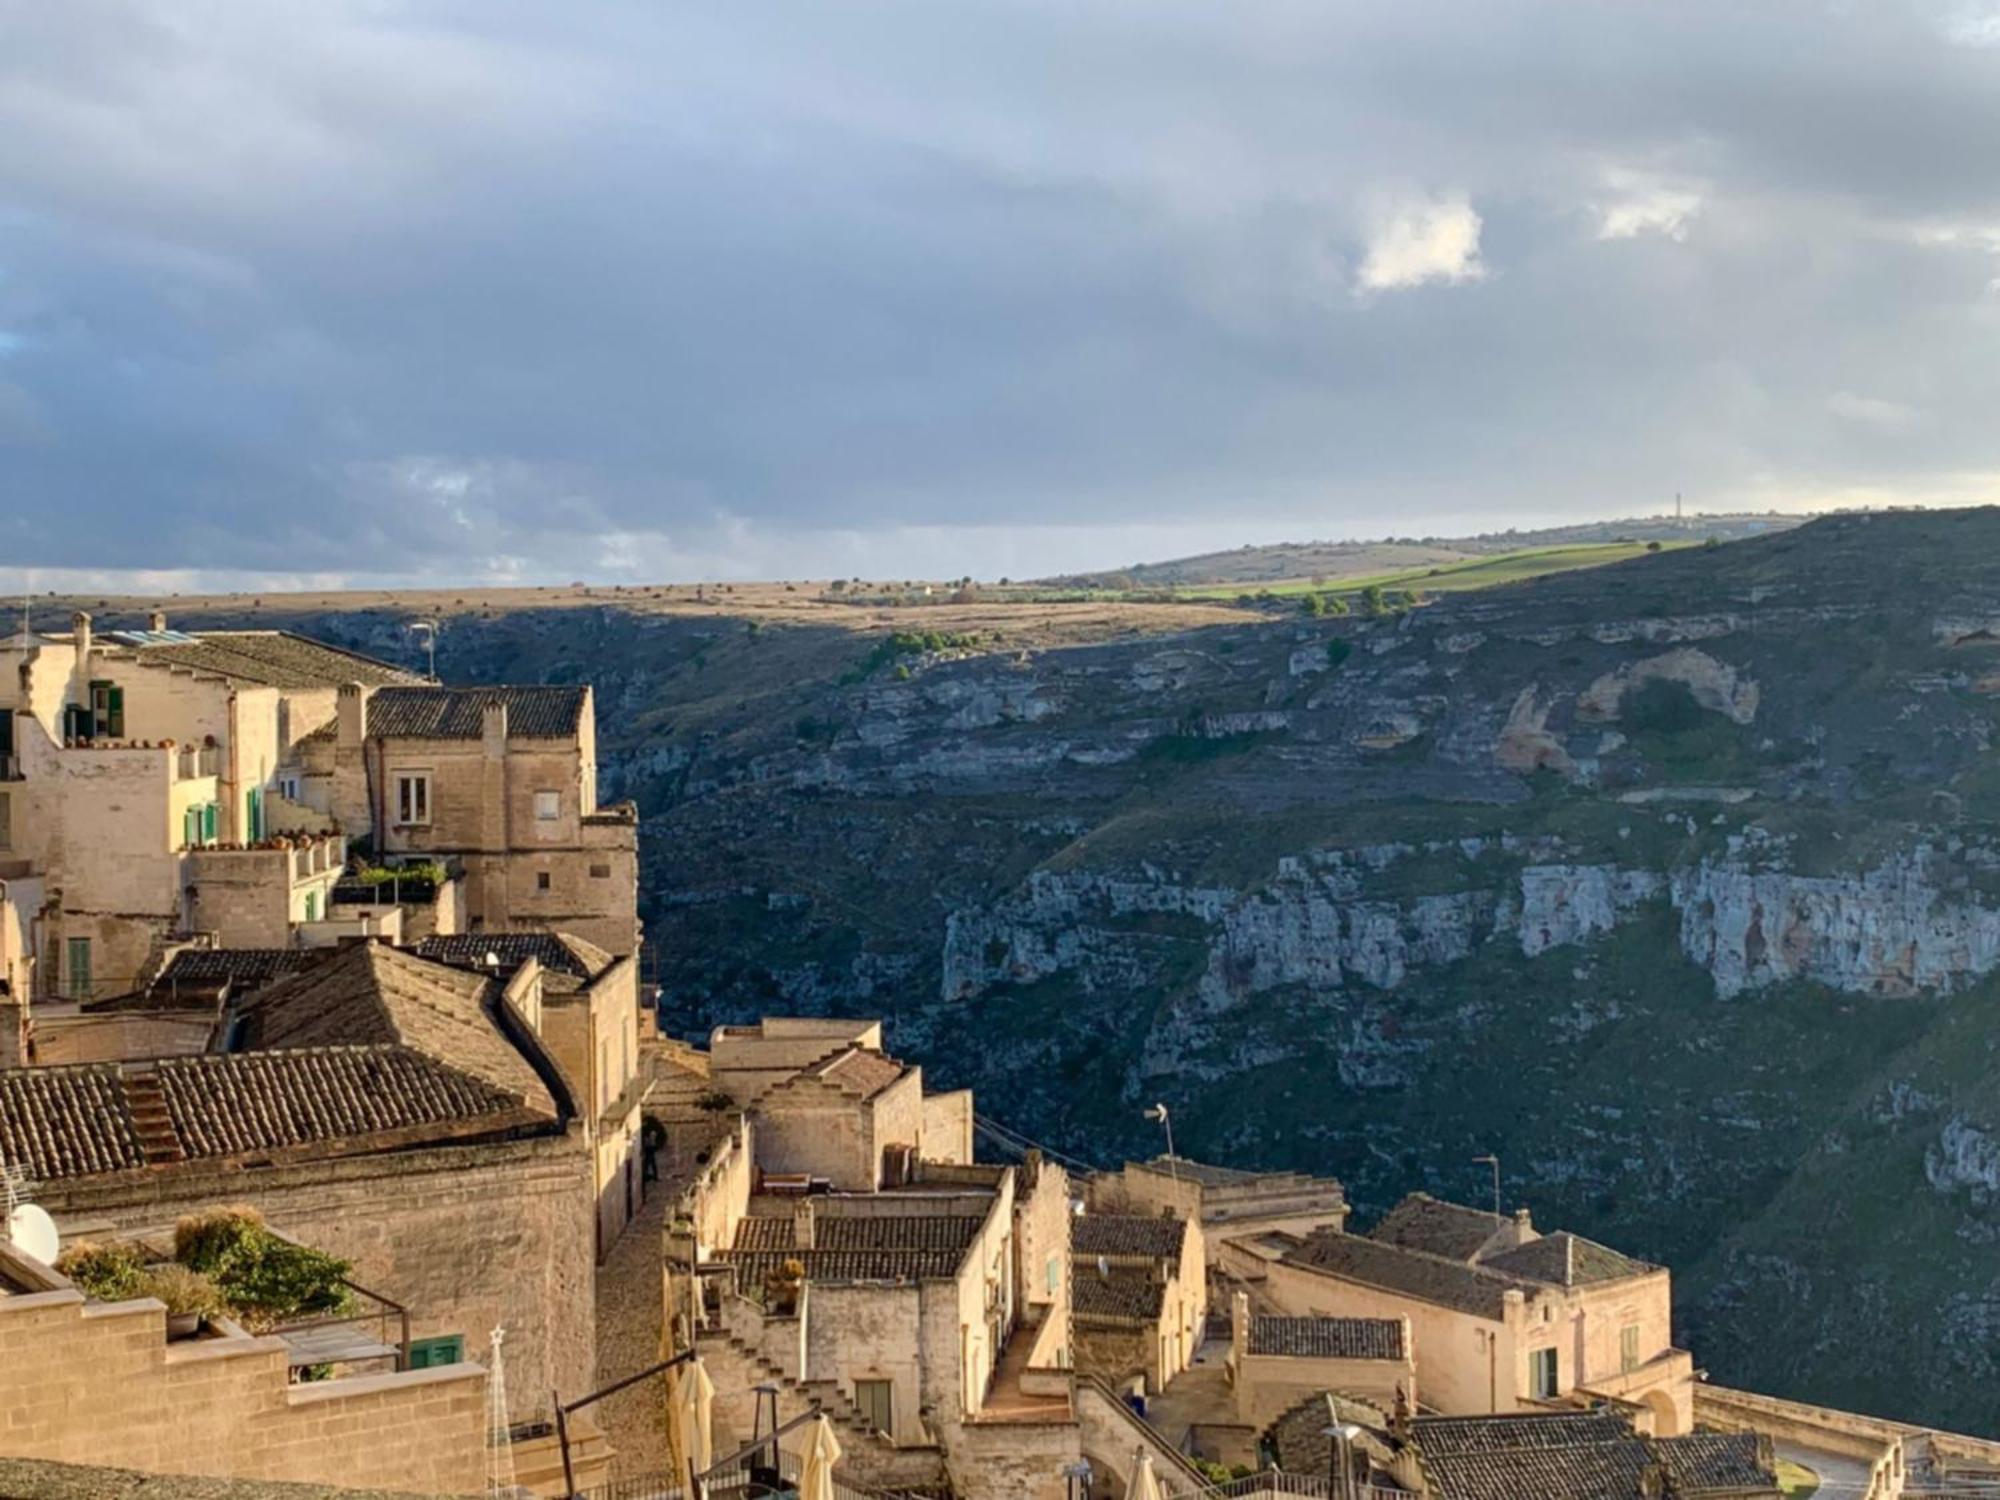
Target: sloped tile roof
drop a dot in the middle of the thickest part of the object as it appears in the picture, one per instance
(1595, 1471)
(196, 977)
(372, 993)
(1733, 1463)
(848, 1265)
(455, 713)
(918, 1232)
(77, 1121)
(66, 1122)
(266, 658)
(1432, 1278)
(1328, 1338)
(1565, 1259)
(1154, 1237)
(557, 952)
(1136, 1297)
(1443, 1436)
(1421, 1222)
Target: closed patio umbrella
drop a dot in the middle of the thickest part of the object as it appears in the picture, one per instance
(689, 1418)
(1145, 1483)
(822, 1453)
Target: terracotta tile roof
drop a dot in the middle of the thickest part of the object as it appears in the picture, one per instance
(66, 1122)
(196, 978)
(558, 952)
(372, 993)
(1431, 1278)
(265, 658)
(1443, 1436)
(1135, 1235)
(848, 1265)
(1565, 1259)
(1616, 1470)
(861, 1071)
(232, 1105)
(1732, 1463)
(924, 1232)
(1421, 1222)
(455, 713)
(1328, 1338)
(1135, 1297)
(78, 1121)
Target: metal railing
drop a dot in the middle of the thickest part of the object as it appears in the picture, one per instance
(733, 1480)
(1276, 1482)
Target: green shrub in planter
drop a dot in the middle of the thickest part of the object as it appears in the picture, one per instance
(107, 1273)
(186, 1293)
(267, 1280)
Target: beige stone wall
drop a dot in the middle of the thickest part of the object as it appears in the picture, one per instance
(809, 1126)
(869, 1333)
(947, 1135)
(1014, 1460)
(466, 1237)
(1268, 1386)
(1041, 1244)
(253, 898)
(100, 1384)
(894, 1117)
(119, 1037)
(1118, 1351)
(744, 1061)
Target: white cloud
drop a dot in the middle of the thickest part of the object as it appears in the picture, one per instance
(1644, 204)
(1428, 239)
(1873, 411)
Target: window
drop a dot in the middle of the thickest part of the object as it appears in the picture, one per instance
(288, 788)
(253, 814)
(312, 906)
(600, 872)
(548, 806)
(877, 1400)
(428, 1354)
(1628, 1347)
(107, 711)
(413, 799)
(541, 880)
(77, 969)
(1543, 1374)
(198, 825)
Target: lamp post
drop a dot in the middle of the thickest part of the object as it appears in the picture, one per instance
(1340, 1460)
(1490, 1160)
(1159, 1113)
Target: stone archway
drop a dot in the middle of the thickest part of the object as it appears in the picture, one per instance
(1666, 1416)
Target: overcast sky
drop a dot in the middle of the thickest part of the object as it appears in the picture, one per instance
(356, 288)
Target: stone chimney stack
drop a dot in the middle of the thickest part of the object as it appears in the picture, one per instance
(351, 716)
(802, 1224)
(493, 729)
(80, 623)
(1524, 1227)
(157, 620)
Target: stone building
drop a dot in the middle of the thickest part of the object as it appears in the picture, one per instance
(1140, 1296)
(402, 1114)
(124, 756)
(1276, 1361)
(501, 780)
(101, 1383)
(1502, 1317)
(1228, 1203)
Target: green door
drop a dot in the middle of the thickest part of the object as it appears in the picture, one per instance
(78, 968)
(255, 819)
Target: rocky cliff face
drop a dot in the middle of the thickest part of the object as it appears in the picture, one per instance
(1677, 884)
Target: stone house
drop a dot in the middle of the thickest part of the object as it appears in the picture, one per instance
(124, 753)
(1140, 1296)
(1503, 1318)
(402, 1114)
(831, 1104)
(589, 1018)
(1226, 1202)
(1275, 1361)
(503, 780)
(101, 1383)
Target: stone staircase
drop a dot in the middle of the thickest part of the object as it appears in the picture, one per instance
(738, 1367)
(150, 1120)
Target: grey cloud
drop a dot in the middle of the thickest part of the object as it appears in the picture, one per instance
(503, 288)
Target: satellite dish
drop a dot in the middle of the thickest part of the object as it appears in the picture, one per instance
(34, 1233)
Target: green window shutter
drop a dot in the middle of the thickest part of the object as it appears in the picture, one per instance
(208, 823)
(115, 704)
(427, 1354)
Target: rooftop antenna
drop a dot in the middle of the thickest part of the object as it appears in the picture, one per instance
(1492, 1161)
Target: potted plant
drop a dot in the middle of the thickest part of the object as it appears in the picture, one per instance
(104, 1273)
(191, 1298)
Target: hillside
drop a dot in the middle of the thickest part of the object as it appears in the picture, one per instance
(1676, 882)
(1346, 563)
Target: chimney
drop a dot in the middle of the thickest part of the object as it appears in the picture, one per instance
(80, 623)
(351, 716)
(802, 1216)
(157, 620)
(1524, 1228)
(493, 728)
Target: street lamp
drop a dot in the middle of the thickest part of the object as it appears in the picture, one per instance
(1492, 1161)
(1159, 1113)
(1340, 1460)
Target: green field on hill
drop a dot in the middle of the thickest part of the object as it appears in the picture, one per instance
(1475, 573)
